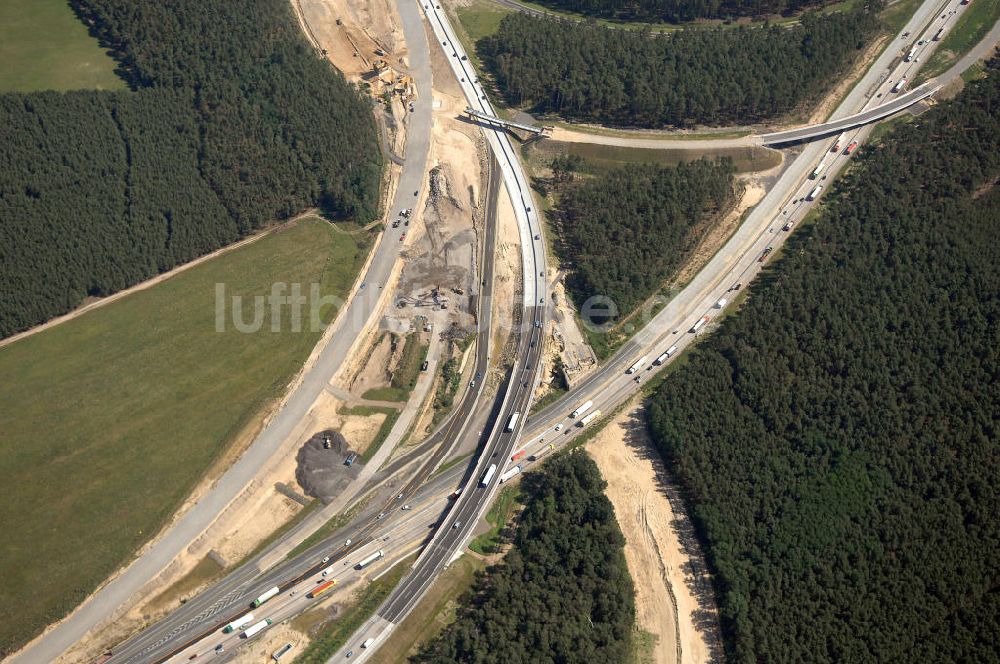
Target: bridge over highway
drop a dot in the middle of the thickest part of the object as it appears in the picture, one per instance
(880, 112)
(500, 122)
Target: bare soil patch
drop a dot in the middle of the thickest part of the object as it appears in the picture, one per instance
(674, 600)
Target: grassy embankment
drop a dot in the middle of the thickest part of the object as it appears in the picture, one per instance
(44, 47)
(497, 517)
(969, 30)
(111, 419)
(404, 379)
(434, 612)
(333, 636)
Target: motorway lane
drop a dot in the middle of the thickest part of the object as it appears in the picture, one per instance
(398, 538)
(214, 606)
(347, 328)
(736, 262)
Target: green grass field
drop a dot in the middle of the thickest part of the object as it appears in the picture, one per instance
(110, 419)
(404, 379)
(601, 158)
(968, 31)
(43, 46)
(497, 517)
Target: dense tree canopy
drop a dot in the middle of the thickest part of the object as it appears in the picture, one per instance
(837, 439)
(234, 120)
(562, 594)
(675, 11)
(623, 234)
(719, 76)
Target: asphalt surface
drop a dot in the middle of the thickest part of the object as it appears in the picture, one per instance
(184, 630)
(899, 103)
(735, 261)
(362, 307)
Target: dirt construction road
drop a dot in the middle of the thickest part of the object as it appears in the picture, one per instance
(671, 598)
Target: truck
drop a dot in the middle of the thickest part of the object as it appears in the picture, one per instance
(281, 652)
(320, 589)
(721, 303)
(937, 35)
(368, 643)
(661, 359)
(239, 623)
(510, 473)
(819, 169)
(584, 407)
(455, 494)
(512, 422)
(518, 455)
(328, 571)
(589, 418)
(488, 475)
(909, 56)
(670, 351)
(256, 628)
(840, 141)
(900, 84)
(814, 193)
(850, 148)
(764, 254)
(266, 596)
(365, 562)
(637, 365)
(698, 325)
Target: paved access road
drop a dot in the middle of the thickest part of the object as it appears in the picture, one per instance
(741, 259)
(361, 309)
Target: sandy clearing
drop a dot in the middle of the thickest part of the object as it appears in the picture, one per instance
(667, 603)
(753, 192)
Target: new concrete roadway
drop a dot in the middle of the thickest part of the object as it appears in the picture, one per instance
(185, 630)
(348, 327)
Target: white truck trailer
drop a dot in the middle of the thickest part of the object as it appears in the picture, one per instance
(256, 628)
(368, 560)
(584, 407)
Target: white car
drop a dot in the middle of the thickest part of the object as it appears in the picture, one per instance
(559, 427)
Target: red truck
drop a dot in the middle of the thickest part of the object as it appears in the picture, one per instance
(850, 148)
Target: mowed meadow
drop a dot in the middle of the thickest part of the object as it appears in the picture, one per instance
(43, 46)
(109, 420)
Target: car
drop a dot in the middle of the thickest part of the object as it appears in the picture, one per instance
(326, 559)
(479, 374)
(538, 324)
(559, 427)
(399, 497)
(380, 515)
(406, 508)
(465, 57)
(921, 42)
(457, 524)
(423, 367)
(472, 383)
(402, 237)
(347, 543)
(363, 285)
(416, 193)
(537, 236)
(349, 653)
(220, 648)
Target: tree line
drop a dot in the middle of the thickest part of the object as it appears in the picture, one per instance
(836, 440)
(562, 593)
(586, 72)
(233, 120)
(678, 11)
(624, 233)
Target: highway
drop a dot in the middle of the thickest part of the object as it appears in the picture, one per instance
(361, 309)
(738, 262)
(184, 630)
